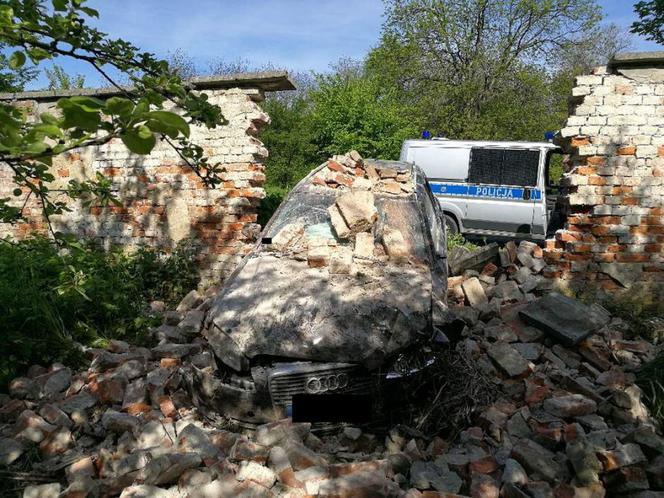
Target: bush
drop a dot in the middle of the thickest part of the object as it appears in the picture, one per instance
(53, 298)
(274, 196)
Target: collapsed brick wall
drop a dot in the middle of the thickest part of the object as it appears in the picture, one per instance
(613, 238)
(163, 201)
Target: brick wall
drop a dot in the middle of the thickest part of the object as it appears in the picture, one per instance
(163, 201)
(613, 238)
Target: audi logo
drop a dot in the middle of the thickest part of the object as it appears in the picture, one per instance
(325, 383)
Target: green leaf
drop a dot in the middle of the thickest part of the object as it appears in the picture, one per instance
(49, 118)
(16, 60)
(119, 107)
(60, 5)
(87, 103)
(137, 144)
(6, 15)
(167, 122)
(49, 130)
(144, 132)
(79, 116)
(38, 54)
(91, 12)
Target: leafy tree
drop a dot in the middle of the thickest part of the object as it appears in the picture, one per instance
(58, 79)
(290, 140)
(454, 60)
(353, 110)
(651, 20)
(39, 30)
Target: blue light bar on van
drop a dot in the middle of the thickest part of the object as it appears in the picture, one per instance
(548, 135)
(426, 134)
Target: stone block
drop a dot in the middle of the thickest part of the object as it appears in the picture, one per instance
(474, 292)
(364, 245)
(358, 210)
(395, 245)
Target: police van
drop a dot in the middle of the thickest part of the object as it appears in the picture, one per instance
(489, 188)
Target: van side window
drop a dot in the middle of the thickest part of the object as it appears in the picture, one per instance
(504, 167)
(485, 166)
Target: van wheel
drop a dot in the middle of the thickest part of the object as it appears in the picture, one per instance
(451, 225)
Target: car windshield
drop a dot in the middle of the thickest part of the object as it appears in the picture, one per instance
(310, 208)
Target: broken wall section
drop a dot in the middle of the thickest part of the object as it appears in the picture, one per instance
(163, 201)
(613, 238)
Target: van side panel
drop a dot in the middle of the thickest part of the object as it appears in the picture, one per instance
(438, 164)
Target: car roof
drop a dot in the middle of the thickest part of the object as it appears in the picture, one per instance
(445, 143)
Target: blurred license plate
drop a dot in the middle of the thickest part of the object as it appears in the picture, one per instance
(352, 408)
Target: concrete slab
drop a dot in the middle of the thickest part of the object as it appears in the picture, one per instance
(568, 320)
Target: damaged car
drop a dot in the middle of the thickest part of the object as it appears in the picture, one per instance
(343, 295)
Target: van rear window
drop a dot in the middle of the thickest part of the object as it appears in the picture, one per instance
(504, 167)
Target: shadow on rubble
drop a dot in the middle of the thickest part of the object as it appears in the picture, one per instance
(440, 400)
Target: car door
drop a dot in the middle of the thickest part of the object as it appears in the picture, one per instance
(502, 191)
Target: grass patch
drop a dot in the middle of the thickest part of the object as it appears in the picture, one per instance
(641, 314)
(651, 380)
(458, 240)
(52, 298)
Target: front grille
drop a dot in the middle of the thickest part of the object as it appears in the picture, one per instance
(288, 379)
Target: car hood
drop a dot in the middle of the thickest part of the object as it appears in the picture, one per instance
(281, 307)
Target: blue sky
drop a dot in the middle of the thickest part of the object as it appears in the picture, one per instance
(297, 34)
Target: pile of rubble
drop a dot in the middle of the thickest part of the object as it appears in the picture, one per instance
(351, 171)
(567, 421)
(515, 276)
(353, 217)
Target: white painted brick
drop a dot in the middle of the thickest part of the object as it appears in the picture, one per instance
(646, 151)
(570, 131)
(588, 80)
(602, 91)
(580, 91)
(578, 120)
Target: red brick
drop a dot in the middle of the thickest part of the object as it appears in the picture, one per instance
(580, 141)
(167, 407)
(169, 362)
(596, 180)
(627, 150)
(632, 258)
(596, 160)
(343, 180)
(335, 166)
(486, 465)
(600, 230)
(647, 230)
(586, 170)
(568, 236)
